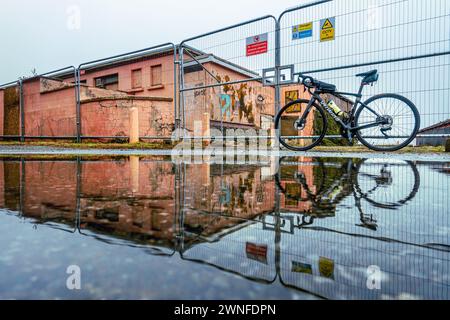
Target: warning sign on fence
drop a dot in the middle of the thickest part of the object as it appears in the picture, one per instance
(302, 31)
(327, 29)
(257, 45)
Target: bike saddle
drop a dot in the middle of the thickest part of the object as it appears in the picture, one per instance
(369, 77)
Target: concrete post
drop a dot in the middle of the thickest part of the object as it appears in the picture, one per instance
(134, 125)
(206, 125)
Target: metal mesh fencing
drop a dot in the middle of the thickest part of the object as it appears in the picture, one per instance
(221, 77)
(406, 40)
(40, 107)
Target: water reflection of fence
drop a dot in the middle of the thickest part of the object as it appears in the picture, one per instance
(140, 207)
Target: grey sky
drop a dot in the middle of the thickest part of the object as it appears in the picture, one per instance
(35, 33)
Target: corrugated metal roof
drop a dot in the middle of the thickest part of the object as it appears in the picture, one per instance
(440, 125)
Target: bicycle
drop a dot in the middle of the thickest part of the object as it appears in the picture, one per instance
(385, 122)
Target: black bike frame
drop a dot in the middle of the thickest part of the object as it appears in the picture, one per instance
(316, 97)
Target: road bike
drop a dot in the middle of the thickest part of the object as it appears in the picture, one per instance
(385, 122)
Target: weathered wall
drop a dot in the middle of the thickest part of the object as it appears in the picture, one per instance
(11, 116)
(166, 89)
(50, 108)
(125, 84)
(107, 113)
(245, 104)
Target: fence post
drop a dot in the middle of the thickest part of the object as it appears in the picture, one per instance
(277, 66)
(175, 88)
(78, 103)
(181, 85)
(22, 112)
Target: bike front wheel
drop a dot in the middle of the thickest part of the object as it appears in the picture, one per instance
(400, 122)
(301, 136)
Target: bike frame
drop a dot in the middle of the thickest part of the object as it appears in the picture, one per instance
(315, 96)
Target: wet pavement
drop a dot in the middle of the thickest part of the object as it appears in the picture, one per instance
(144, 227)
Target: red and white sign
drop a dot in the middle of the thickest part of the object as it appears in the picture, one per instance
(257, 45)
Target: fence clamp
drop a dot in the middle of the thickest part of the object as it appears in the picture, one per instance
(286, 76)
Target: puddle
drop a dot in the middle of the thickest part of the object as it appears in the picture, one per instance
(291, 228)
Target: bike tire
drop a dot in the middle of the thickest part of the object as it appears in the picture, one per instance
(394, 147)
(321, 136)
(412, 192)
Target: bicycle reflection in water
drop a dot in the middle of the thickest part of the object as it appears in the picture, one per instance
(384, 185)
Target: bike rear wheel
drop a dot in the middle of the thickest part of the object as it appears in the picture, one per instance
(402, 123)
(301, 136)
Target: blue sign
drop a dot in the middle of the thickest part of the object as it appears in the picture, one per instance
(302, 31)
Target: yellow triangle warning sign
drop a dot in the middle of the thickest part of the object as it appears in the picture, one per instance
(327, 25)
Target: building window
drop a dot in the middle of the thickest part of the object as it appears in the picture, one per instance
(136, 79)
(110, 82)
(156, 75)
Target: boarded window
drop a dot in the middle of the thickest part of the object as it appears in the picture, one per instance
(156, 75)
(136, 79)
(110, 82)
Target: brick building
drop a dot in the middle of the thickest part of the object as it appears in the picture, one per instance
(441, 128)
(146, 82)
(111, 90)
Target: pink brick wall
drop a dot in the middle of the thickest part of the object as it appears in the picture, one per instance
(50, 113)
(111, 118)
(50, 107)
(125, 80)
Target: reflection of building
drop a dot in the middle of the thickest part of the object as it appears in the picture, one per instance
(295, 197)
(132, 198)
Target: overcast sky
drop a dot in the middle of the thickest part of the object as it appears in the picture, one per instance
(47, 34)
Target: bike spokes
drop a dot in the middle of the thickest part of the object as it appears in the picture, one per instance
(300, 128)
(390, 123)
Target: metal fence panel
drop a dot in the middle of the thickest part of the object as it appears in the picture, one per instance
(221, 76)
(44, 107)
(408, 41)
